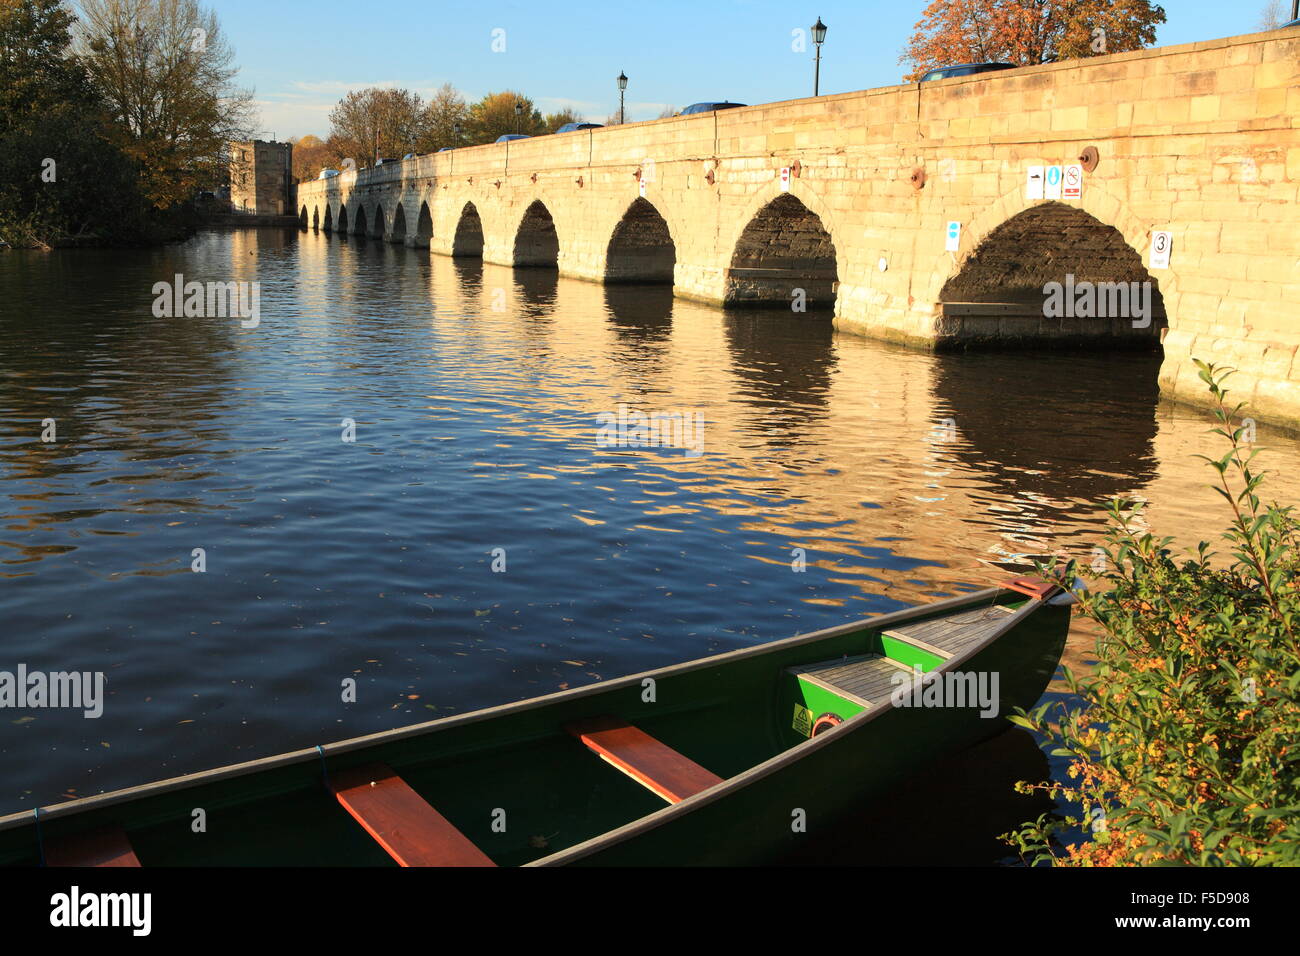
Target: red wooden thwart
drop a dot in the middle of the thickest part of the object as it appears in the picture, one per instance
(411, 831)
(644, 759)
(1034, 587)
(107, 847)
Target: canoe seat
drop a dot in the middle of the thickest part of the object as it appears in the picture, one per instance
(107, 847)
(867, 679)
(952, 634)
(411, 831)
(653, 764)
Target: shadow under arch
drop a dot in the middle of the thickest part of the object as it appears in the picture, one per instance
(399, 224)
(469, 273)
(640, 313)
(303, 221)
(378, 229)
(537, 290)
(1053, 273)
(343, 220)
(468, 240)
(783, 371)
(424, 226)
(641, 248)
(784, 248)
(537, 245)
(315, 218)
(1057, 451)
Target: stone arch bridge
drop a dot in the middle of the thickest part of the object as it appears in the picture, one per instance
(849, 202)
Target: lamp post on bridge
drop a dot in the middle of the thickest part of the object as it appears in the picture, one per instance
(819, 36)
(519, 116)
(622, 86)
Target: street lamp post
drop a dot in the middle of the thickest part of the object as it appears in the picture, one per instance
(622, 85)
(519, 115)
(455, 130)
(819, 35)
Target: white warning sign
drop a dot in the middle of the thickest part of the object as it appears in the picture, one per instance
(1073, 182)
(1162, 244)
(1034, 183)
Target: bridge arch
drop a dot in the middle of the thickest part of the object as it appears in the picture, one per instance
(424, 226)
(641, 248)
(468, 241)
(1021, 260)
(302, 218)
(399, 224)
(343, 220)
(784, 246)
(377, 228)
(537, 244)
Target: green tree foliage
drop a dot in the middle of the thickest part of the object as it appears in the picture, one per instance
(61, 178)
(1187, 748)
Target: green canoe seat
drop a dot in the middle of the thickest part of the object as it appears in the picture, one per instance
(107, 847)
(411, 831)
(866, 680)
(643, 758)
(950, 635)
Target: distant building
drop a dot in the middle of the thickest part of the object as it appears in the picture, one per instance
(261, 177)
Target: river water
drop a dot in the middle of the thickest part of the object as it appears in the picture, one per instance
(478, 394)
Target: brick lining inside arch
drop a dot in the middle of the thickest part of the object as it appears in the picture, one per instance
(785, 247)
(641, 249)
(1043, 244)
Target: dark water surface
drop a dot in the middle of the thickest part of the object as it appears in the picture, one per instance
(475, 391)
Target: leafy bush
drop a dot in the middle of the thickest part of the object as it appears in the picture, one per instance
(1185, 750)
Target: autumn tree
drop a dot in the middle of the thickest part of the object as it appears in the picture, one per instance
(445, 111)
(1027, 32)
(554, 121)
(495, 115)
(166, 74)
(380, 122)
(310, 155)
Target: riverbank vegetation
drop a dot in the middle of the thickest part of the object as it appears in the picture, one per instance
(1186, 750)
(111, 122)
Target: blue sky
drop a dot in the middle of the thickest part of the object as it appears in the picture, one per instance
(301, 57)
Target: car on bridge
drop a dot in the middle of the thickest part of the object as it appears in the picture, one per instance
(965, 69)
(574, 127)
(709, 107)
(509, 136)
(328, 174)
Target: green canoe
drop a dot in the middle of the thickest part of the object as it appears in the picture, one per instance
(731, 759)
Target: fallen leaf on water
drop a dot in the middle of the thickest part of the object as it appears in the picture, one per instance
(24, 720)
(575, 663)
(478, 613)
(103, 743)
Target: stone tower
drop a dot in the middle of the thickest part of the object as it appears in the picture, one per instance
(261, 176)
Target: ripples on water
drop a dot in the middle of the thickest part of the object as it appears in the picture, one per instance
(476, 392)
